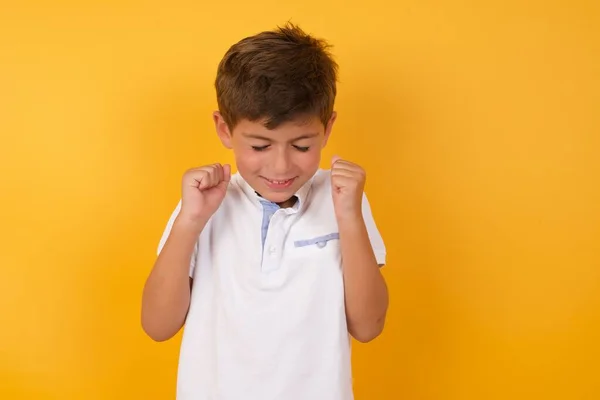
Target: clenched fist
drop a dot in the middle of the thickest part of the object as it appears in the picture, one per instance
(203, 190)
(347, 185)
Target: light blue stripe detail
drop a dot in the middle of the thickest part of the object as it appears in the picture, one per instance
(320, 241)
(268, 210)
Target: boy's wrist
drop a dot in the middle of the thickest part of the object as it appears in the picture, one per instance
(185, 224)
(350, 220)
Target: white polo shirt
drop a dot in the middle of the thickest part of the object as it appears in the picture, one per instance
(267, 318)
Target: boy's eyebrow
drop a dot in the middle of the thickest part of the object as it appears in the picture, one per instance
(259, 137)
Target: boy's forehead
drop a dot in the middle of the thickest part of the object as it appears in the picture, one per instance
(287, 130)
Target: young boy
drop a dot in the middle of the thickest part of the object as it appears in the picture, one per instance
(272, 268)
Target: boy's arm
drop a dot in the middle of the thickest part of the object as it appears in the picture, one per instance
(167, 292)
(364, 286)
(365, 290)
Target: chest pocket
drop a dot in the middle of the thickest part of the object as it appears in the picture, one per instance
(318, 250)
(318, 241)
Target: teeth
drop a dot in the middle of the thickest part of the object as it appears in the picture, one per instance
(280, 182)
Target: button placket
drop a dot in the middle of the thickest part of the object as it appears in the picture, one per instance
(272, 244)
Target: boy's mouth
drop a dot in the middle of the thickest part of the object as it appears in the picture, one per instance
(279, 184)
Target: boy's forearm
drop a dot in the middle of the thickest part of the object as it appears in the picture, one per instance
(167, 292)
(365, 289)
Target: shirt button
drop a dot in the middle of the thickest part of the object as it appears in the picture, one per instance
(272, 250)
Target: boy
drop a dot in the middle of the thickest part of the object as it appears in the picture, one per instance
(271, 268)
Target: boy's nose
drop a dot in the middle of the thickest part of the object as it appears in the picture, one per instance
(282, 164)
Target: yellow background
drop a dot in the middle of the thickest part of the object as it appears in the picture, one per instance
(478, 124)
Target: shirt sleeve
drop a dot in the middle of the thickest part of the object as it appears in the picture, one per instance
(374, 235)
(166, 234)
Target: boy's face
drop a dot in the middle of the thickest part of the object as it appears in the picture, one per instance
(278, 162)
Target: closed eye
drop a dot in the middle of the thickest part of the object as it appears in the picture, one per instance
(302, 149)
(260, 148)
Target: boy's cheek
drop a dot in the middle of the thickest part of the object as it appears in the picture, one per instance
(311, 157)
(249, 161)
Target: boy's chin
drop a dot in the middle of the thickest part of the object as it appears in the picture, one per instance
(278, 197)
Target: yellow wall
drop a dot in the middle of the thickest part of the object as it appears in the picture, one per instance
(479, 126)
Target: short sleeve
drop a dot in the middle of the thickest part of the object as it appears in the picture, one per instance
(167, 232)
(374, 235)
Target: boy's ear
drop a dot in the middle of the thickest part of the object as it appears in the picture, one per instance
(329, 127)
(222, 129)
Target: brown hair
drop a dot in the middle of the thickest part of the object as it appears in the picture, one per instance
(277, 76)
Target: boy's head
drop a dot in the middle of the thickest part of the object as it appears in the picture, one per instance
(276, 93)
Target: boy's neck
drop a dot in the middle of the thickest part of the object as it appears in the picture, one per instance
(286, 204)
